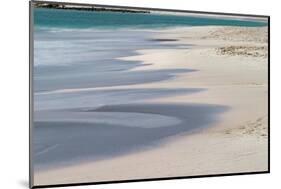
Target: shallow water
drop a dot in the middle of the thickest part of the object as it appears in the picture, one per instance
(88, 58)
(115, 130)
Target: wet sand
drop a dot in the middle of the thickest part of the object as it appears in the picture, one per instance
(236, 139)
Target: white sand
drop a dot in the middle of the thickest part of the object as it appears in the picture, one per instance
(237, 143)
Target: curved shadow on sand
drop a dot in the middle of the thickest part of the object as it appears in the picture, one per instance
(62, 143)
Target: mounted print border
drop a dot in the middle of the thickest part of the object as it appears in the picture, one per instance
(153, 98)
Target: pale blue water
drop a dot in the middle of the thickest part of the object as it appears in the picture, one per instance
(89, 19)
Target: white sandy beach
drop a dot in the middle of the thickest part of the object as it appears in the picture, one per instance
(231, 63)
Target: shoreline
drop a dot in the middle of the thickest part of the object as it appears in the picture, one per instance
(188, 155)
(146, 11)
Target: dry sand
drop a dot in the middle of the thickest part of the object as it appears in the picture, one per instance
(232, 65)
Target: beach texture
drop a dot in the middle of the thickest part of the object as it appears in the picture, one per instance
(231, 64)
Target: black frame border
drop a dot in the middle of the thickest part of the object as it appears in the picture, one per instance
(31, 54)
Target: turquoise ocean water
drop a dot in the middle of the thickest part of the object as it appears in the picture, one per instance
(89, 19)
